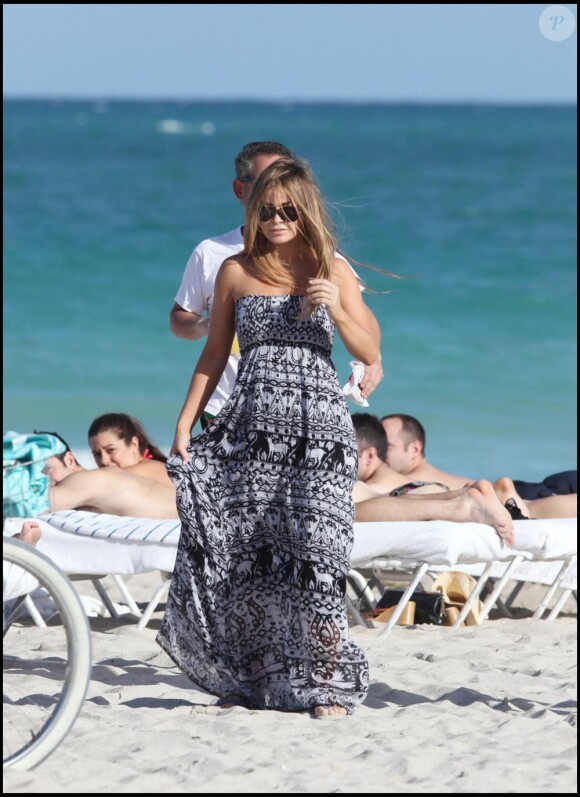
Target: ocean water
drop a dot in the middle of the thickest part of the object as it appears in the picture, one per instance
(104, 201)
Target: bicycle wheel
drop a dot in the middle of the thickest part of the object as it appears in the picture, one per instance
(46, 669)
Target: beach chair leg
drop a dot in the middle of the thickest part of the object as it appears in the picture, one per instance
(473, 596)
(33, 612)
(505, 612)
(361, 587)
(551, 592)
(152, 605)
(129, 600)
(514, 594)
(11, 610)
(559, 605)
(355, 614)
(104, 596)
(503, 605)
(415, 579)
(497, 589)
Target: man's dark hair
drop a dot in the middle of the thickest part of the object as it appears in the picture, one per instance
(63, 441)
(370, 433)
(411, 429)
(245, 157)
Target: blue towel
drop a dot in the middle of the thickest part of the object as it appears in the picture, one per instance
(24, 485)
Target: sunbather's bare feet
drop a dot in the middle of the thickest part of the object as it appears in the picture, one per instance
(329, 712)
(486, 507)
(506, 489)
(30, 532)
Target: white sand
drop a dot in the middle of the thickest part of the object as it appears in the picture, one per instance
(472, 710)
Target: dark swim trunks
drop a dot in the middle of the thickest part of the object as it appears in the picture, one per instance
(410, 486)
(563, 483)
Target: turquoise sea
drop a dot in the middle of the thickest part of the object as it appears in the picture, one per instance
(104, 201)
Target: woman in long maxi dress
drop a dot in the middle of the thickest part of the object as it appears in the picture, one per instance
(256, 609)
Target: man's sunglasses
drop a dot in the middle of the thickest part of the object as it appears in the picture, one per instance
(286, 213)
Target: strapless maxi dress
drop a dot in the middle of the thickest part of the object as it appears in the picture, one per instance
(256, 604)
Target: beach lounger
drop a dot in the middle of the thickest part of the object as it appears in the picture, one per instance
(92, 545)
(559, 576)
(413, 550)
(87, 545)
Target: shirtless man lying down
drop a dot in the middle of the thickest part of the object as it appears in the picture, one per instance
(113, 491)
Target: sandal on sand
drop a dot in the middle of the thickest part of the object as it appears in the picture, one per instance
(514, 510)
(333, 716)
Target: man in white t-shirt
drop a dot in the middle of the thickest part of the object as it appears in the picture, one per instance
(189, 317)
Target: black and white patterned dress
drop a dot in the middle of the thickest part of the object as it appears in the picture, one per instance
(256, 605)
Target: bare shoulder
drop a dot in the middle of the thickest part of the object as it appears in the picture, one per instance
(232, 270)
(234, 264)
(150, 469)
(234, 275)
(342, 272)
(346, 279)
(81, 477)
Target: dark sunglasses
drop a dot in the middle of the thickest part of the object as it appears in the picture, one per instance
(286, 213)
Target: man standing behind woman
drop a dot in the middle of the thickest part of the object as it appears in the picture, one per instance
(256, 610)
(189, 317)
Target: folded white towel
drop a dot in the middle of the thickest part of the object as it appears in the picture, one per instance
(351, 389)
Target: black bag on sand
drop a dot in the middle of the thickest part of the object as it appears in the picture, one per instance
(429, 606)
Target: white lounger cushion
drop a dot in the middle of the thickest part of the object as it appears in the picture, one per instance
(443, 543)
(114, 527)
(94, 544)
(123, 545)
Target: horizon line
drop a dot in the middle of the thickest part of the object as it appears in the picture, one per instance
(286, 101)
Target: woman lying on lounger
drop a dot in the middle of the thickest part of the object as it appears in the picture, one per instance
(118, 440)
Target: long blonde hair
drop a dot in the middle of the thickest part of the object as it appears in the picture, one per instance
(292, 176)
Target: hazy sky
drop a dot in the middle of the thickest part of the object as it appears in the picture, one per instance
(408, 52)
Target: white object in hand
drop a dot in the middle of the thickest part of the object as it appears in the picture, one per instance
(351, 389)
